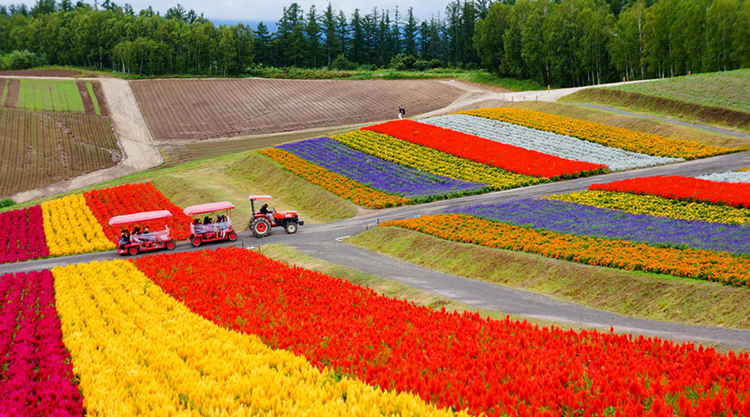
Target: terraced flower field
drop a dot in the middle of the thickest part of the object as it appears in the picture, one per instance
(237, 333)
(680, 226)
(422, 161)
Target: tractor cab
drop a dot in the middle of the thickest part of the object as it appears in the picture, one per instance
(143, 239)
(209, 229)
(264, 219)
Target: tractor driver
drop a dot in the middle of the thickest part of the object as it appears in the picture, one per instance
(265, 211)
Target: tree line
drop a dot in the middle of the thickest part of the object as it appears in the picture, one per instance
(585, 42)
(558, 42)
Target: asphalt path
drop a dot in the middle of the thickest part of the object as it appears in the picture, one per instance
(323, 241)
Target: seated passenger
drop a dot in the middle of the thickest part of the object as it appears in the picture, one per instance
(148, 236)
(124, 238)
(136, 236)
(196, 228)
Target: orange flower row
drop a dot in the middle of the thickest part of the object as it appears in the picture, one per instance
(333, 182)
(689, 263)
(613, 136)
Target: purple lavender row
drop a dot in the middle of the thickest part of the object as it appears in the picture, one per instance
(23, 235)
(36, 377)
(577, 219)
(379, 174)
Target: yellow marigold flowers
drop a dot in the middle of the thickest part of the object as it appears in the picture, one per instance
(433, 161)
(136, 350)
(658, 206)
(71, 227)
(613, 136)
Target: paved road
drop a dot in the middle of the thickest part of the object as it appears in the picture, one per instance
(321, 242)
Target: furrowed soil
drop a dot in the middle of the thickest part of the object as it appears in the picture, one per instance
(100, 97)
(11, 99)
(41, 148)
(192, 110)
(88, 104)
(635, 101)
(635, 294)
(50, 73)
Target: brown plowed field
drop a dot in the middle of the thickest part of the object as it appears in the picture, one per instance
(203, 109)
(50, 73)
(40, 148)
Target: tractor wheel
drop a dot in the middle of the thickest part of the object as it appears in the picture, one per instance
(171, 245)
(196, 241)
(261, 227)
(291, 227)
(232, 236)
(133, 250)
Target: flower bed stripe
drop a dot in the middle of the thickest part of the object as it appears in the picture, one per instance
(496, 367)
(613, 136)
(71, 227)
(139, 351)
(688, 263)
(683, 188)
(577, 219)
(23, 235)
(739, 176)
(550, 143)
(511, 158)
(133, 198)
(658, 206)
(434, 161)
(379, 174)
(333, 182)
(36, 377)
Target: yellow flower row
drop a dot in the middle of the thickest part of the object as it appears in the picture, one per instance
(136, 350)
(71, 227)
(433, 161)
(613, 136)
(658, 206)
(743, 170)
(333, 182)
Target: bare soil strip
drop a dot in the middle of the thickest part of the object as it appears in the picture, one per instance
(11, 100)
(49, 73)
(177, 109)
(100, 97)
(88, 104)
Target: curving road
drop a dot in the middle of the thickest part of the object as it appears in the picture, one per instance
(322, 241)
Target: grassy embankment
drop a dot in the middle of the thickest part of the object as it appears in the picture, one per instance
(716, 98)
(635, 294)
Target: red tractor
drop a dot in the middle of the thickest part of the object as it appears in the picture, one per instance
(264, 219)
(140, 240)
(210, 230)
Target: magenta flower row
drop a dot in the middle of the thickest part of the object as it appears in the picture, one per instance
(22, 236)
(36, 374)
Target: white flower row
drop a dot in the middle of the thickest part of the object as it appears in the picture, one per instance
(547, 142)
(727, 176)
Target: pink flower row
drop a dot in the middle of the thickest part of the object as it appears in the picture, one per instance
(22, 236)
(36, 376)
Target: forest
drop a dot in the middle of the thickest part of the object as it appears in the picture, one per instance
(556, 42)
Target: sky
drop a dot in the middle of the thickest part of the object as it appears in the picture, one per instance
(271, 11)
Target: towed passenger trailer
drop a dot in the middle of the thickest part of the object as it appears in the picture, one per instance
(202, 233)
(148, 241)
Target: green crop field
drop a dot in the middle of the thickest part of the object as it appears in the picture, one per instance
(3, 91)
(717, 89)
(49, 95)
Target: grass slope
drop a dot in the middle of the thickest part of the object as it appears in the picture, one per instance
(233, 178)
(639, 124)
(635, 294)
(715, 98)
